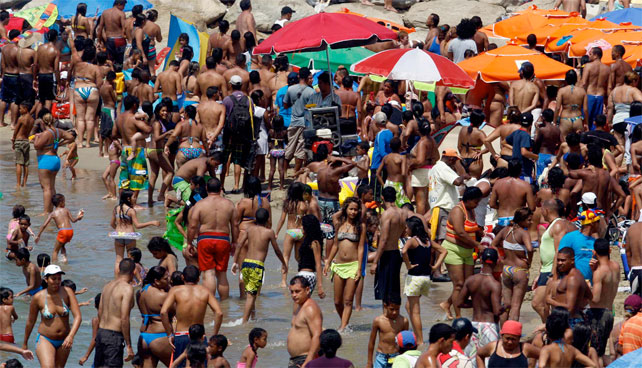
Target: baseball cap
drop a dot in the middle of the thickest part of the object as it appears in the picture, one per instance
(236, 80)
(489, 255)
(464, 325)
(380, 118)
(526, 118)
(406, 339)
(304, 73)
(588, 198)
(293, 78)
(451, 153)
(511, 327)
(52, 270)
(634, 301)
(287, 10)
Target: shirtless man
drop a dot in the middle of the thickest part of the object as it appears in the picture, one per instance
(570, 6)
(265, 70)
(350, 104)
(10, 80)
(481, 97)
(634, 257)
(47, 67)
(595, 79)
(169, 84)
(245, 21)
(570, 291)
(115, 306)
(237, 47)
(387, 260)
(195, 167)
(480, 38)
(220, 39)
(395, 165)
(190, 302)
(280, 79)
(239, 69)
(4, 22)
(143, 90)
(524, 93)
(618, 68)
(307, 324)
(547, 141)
(498, 103)
(112, 26)
(213, 219)
(606, 277)
(485, 293)
(212, 115)
(510, 194)
(210, 78)
(27, 71)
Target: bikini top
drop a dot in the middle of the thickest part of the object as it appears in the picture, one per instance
(48, 315)
(190, 138)
(124, 216)
(146, 317)
(347, 236)
(56, 140)
(513, 245)
(252, 218)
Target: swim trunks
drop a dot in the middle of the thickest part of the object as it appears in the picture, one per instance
(504, 221)
(457, 255)
(383, 360)
(328, 207)
(417, 285)
(252, 272)
(7, 338)
(297, 361)
(26, 92)
(182, 188)
(213, 251)
(487, 332)
(46, 87)
(65, 235)
(10, 88)
(116, 49)
(601, 322)
(543, 278)
(34, 291)
(595, 108)
(22, 149)
(133, 173)
(387, 279)
(310, 276)
(635, 279)
(110, 346)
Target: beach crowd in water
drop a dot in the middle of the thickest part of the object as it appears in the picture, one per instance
(540, 167)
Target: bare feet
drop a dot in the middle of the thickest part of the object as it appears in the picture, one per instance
(63, 258)
(445, 306)
(106, 196)
(358, 308)
(150, 203)
(392, 9)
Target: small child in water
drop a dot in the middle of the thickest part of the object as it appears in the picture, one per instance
(8, 315)
(387, 326)
(30, 271)
(72, 285)
(14, 224)
(63, 219)
(94, 332)
(71, 156)
(216, 347)
(139, 273)
(19, 236)
(109, 175)
(258, 339)
(20, 143)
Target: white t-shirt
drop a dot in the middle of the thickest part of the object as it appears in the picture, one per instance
(458, 47)
(442, 192)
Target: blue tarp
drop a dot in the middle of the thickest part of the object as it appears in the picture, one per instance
(629, 360)
(633, 15)
(67, 9)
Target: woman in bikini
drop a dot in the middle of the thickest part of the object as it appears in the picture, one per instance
(86, 95)
(246, 209)
(346, 269)
(470, 143)
(125, 223)
(153, 33)
(153, 343)
(157, 159)
(80, 24)
(620, 99)
(46, 145)
(185, 60)
(190, 84)
(55, 335)
(421, 159)
(518, 253)
(161, 250)
(501, 132)
(294, 208)
(191, 135)
(144, 42)
(571, 106)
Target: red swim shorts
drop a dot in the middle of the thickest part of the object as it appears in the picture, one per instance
(213, 251)
(65, 235)
(7, 338)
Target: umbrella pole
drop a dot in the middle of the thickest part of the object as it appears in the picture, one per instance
(327, 58)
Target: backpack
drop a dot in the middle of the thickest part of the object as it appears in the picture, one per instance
(239, 124)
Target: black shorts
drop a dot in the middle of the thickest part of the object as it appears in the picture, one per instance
(10, 88)
(116, 49)
(387, 283)
(46, 87)
(26, 92)
(110, 347)
(543, 278)
(242, 154)
(635, 279)
(601, 321)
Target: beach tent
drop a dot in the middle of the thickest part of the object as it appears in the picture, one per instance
(633, 15)
(67, 9)
(197, 40)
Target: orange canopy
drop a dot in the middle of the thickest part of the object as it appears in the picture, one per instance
(606, 42)
(544, 33)
(566, 36)
(522, 24)
(502, 64)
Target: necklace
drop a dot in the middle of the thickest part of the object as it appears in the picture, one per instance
(485, 274)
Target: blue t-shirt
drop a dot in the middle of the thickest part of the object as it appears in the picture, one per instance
(519, 139)
(381, 148)
(285, 113)
(583, 247)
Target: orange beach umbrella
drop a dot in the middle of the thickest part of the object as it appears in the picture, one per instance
(502, 64)
(605, 42)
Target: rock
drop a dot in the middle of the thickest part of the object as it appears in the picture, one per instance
(542, 4)
(199, 12)
(370, 11)
(267, 12)
(7, 4)
(451, 12)
(398, 4)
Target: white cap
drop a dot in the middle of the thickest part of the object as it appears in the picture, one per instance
(52, 270)
(588, 198)
(380, 117)
(236, 80)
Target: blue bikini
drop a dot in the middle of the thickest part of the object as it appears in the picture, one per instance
(48, 315)
(50, 162)
(148, 336)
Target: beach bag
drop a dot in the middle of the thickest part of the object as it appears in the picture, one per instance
(240, 121)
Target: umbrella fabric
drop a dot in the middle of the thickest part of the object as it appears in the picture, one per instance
(534, 9)
(522, 24)
(543, 34)
(581, 48)
(502, 64)
(633, 15)
(629, 360)
(338, 57)
(416, 65)
(67, 9)
(564, 42)
(317, 32)
(40, 16)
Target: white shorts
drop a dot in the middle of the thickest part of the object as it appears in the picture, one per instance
(419, 177)
(417, 285)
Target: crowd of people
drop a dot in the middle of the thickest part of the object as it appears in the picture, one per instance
(564, 175)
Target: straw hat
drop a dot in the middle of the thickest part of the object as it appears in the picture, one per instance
(30, 40)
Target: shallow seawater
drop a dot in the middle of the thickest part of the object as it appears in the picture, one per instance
(91, 261)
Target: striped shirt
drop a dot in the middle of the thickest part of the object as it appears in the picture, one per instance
(631, 334)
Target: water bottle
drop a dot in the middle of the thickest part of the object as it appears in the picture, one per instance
(625, 261)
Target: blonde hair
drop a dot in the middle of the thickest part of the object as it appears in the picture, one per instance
(48, 119)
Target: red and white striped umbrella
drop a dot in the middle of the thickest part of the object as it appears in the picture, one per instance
(415, 65)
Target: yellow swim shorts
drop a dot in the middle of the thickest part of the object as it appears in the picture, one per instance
(252, 272)
(345, 270)
(457, 255)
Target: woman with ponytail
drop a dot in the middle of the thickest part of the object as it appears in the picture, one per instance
(153, 344)
(471, 144)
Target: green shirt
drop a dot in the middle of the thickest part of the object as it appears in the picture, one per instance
(407, 359)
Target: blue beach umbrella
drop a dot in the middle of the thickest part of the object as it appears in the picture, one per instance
(67, 9)
(633, 15)
(629, 360)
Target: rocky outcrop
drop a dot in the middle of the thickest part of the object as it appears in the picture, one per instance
(266, 12)
(8, 4)
(542, 4)
(398, 4)
(369, 11)
(451, 12)
(200, 12)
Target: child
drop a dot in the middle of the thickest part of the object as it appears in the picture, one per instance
(134, 60)
(109, 175)
(43, 260)
(8, 315)
(278, 135)
(139, 273)
(71, 154)
(217, 345)
(395, 165)
(259, 236)
(161, 250)
(258, 339)
(176, 279)
(63, 219)
(31, 272)
(138, 135)
(20, 143)
(363, 163)
(94, 331)
(72, 285)
(387, 325)
(11, 363)
(107, 111)
(196, 336)
(20, 235)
